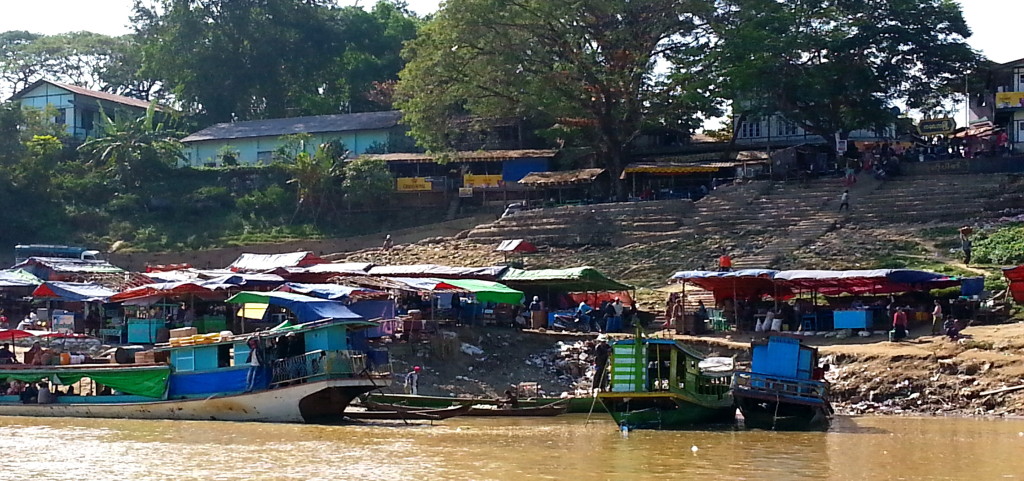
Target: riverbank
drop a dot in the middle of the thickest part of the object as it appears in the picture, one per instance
(925, 375)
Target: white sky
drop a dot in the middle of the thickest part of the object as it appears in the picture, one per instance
(995, 22)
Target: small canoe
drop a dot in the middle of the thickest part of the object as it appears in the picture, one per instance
(576, 404)
(553, 409)
(374, 411)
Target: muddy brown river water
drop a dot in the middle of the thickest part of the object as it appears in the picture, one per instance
(563, 448)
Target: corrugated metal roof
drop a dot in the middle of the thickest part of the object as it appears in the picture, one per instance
(70, 265)
(566, 177)
(266, 262)
(109, 97)
(298, 125)
(469, 156)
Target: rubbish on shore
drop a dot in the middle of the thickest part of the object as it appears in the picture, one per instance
(1002, 390)
(470, 349)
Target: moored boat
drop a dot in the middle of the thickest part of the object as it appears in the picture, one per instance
(660, 384)
(783, 389)
(574, 405)
(383, 412)
(212, 378)
(485, 410)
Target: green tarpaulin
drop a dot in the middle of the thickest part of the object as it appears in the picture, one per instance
(146, 381)
(577, 279)
(487, 291)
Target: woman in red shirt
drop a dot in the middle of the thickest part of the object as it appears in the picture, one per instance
(899, 324)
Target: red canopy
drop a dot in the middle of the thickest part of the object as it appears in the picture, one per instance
(1016, 277)
(162, 289)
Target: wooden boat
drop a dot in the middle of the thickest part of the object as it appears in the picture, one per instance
(576, 405)
(482, 410)
(783, 391)
(214, 382)
(553, 409)
(408, 414)
(659, 384)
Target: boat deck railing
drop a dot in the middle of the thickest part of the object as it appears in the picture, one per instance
(299, 368)
(778, 385)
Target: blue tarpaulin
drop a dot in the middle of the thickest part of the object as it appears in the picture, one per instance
(305, 308)
(73, 291)
(323, 291)
(214, 382)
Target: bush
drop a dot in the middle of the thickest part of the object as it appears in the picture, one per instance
(1004, 246)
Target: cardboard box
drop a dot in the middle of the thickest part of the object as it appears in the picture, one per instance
(184, 332)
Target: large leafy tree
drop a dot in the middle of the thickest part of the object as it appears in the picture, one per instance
(589, 65)
(833, 66)
(252, 59)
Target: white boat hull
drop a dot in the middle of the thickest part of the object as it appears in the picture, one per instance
(322, 401)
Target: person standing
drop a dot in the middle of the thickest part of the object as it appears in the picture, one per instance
(844, 201)
(724, 262)
(388, 243)
(615, 325)
(899, 324)
(412, 381)
(601, 354)
(965, 244)
(937, 318)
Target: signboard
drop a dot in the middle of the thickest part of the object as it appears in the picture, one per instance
(413, 184)
(841, 146)
(64, 323)
(465, 192)
(1009, 100)
(475, 180)
(941, 126)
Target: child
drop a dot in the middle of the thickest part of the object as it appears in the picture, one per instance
(950, 327)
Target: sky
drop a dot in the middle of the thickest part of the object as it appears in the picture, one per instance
(993, 21)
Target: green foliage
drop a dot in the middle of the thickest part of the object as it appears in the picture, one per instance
(134, 149)
(291, 146)
(367, 181)
(228, 59)
(588, 66)
(837, 66)
(1004, 246)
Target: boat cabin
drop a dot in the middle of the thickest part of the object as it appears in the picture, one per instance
(784, 357)
(656, 365)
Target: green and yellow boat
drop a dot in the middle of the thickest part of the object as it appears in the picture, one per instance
(662, 384)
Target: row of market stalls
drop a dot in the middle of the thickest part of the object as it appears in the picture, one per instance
(815, 300)
(180, 295)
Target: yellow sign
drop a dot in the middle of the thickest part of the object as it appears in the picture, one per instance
(941, 126)
(412, 184)
(474, 180)
(1008, 100)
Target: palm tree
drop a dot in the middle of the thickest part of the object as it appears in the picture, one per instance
(315, 175)
(133, 149)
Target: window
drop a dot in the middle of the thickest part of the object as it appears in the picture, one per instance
(62, 117)
(265, 157)
(750, 129)
(785, 129)
(88, 119)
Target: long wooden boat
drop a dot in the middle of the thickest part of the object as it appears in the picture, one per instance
(373, 413)
(553, 409)
(659, 384)
(213, 381)
(782, 391)
(575, 405)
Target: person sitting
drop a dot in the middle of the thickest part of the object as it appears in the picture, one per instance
(950, 328)
(29, 395)
(15, 388)
(32, 353)
(6, 355)
(511, 398)
(45, 396)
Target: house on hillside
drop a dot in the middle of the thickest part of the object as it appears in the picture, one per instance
(255, 141)
(1002, 101)
(78, 108)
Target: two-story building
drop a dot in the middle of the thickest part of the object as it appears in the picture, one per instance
(254, 142)
(78, 108)
(1002, 101)
(777, 132)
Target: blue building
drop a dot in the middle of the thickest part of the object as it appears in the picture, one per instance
(79, 108)
(255, 141)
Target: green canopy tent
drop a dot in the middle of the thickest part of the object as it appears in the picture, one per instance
(576, 279)
(488, 291)
(140, 381)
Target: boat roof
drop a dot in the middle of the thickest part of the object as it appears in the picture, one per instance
(669, 342)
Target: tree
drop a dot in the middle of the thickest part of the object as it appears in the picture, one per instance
(840, 65)
(134, 148)
(316, 176)
(255, 59)
(367, 180)
(588, 65)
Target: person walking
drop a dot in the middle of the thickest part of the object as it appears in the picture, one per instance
(965, 243)
(601, 354)
(937, 318)
(844, 201)
(899, 324)
(412, 381)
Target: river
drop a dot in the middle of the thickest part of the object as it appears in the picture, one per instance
(862, 448)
